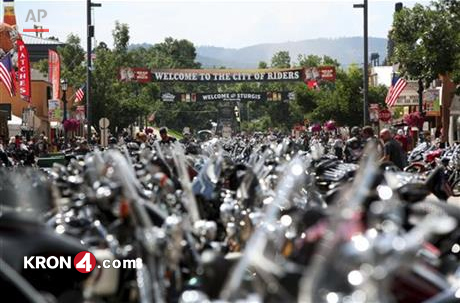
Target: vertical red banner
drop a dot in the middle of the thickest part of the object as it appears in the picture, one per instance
(54, 72)
(23, 71)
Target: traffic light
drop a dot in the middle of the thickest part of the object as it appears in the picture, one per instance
(237, 114)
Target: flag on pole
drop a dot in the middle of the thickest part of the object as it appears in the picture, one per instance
(23, 75)
(397, 86)
(80, 94)
(54, 72)
(6, 74)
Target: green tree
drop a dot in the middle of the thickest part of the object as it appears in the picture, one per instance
(281, 59)
(263, 65)
(122, 103)
(343, 101)
(377, 94)
(315, 61)
(309, 61)
(72, 61)
(427, 43)
(173, 53)
(120, 37)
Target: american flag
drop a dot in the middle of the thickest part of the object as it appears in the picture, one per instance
(80, 94)
(6, 74)
(397, 86)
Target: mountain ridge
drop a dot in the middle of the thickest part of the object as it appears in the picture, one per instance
(346, 50)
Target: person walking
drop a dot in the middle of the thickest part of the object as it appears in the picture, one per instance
(392, 150)
(369, 136)
(402, 139)
(354, 146)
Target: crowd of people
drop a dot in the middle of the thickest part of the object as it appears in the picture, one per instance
(393, 145)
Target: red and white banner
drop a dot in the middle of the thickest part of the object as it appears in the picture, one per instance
(136, 74)
(54, 72)
(327, 73)
(23, 75)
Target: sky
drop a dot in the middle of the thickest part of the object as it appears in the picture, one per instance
(231, 24)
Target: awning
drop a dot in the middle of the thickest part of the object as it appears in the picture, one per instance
(15, 120)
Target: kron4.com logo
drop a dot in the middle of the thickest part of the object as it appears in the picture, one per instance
(84, 262)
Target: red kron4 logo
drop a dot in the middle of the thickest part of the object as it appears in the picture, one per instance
(84, 262)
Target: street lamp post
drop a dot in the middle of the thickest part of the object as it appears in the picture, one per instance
(64, 91)
(90, 35)
(364, 6)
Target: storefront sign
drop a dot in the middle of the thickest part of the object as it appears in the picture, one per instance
(431, 101)
(54, 111)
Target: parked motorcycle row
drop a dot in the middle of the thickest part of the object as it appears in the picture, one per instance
(14, 155)
(234, 221)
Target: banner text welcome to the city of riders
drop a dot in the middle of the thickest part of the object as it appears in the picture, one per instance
(222, 75)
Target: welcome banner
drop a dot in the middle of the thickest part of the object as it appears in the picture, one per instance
(228, 97)
(204, 75)
(233, 75)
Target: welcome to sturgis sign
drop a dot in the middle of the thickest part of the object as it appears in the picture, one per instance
(232, 75)
(227, 97)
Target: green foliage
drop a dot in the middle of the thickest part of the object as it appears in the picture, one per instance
(172, 53)
(377, 94)
(72, 62)
(427, 40)
(124, 103)
(343, 102)
(120, 37)
(263, 65)
(281, 59)
(315, 61)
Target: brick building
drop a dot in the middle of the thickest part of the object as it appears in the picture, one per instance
(34, 115)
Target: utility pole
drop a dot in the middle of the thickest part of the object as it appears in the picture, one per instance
(90, 35)
(365, 6)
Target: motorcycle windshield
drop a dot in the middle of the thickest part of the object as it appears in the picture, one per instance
(205, 183)
(25, 192)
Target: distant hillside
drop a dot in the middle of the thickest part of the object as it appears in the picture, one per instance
(345, 50)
